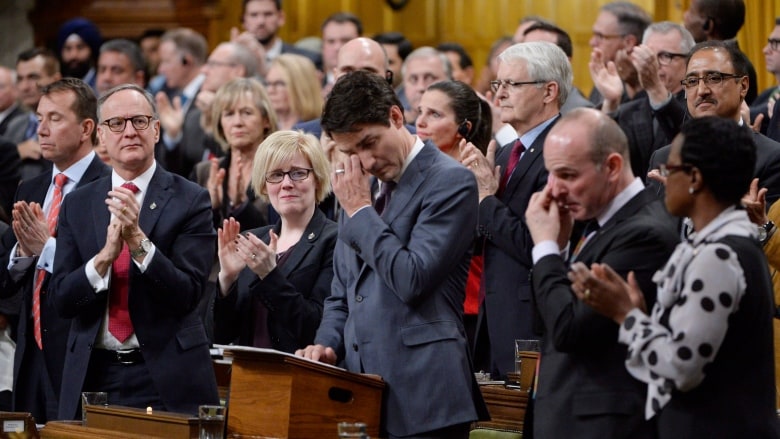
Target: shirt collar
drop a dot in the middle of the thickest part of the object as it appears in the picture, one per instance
(418, 146)
(529, 137)
(76, 170)
(4, 114)
(274, 51)
(620, 200)
(142, 181)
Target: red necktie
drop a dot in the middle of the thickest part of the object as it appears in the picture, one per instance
(119, 324)
(51, 220)
(514, 157)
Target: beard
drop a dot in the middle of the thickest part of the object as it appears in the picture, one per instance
(76, 69)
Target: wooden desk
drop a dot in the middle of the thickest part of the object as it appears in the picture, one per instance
(74, 430)
(506, 407)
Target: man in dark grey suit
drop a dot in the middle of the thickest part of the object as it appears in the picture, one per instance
(400, 270)
(716, 83)
(533, 82)
(584, 390)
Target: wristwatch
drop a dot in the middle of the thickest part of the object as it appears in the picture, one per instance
(145, 247)
(766, 231)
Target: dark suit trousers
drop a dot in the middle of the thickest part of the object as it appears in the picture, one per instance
(459, 431)
(127, 385)
(34, 392)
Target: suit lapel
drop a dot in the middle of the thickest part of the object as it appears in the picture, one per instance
(411, 179)
(630, 209)
(305, 244)
(155, 200)
(100, 214)
(531, 155)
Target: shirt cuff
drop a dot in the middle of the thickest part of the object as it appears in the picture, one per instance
(359, 209)
(172, 142)
(98, 283)
(544, 248)
(661, 104)
(143, 265)
(18, 265)
(46, 260)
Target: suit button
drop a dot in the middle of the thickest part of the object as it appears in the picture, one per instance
(358, 298)
(355, 347)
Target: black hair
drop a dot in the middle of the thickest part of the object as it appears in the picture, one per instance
(727, 15)
(465, 60)
(358, 98)
(738, 59)
(344, 17)
(468, 107)
(723, 152)
(395, 39)
(563, 39)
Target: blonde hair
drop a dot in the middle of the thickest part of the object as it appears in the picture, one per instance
(228, 96)
(279, 148)
(303, 85)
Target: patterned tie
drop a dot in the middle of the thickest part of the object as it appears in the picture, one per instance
(383, 199)
(591, 227)
(51, 220)
(514, 157)
(119, 324)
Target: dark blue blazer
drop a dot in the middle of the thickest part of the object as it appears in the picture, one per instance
(54, 329)
(176, 216)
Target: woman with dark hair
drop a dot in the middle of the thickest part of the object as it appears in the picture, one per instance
(706, 348)
(451, 111)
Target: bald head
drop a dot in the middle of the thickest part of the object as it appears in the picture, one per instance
(361, 54)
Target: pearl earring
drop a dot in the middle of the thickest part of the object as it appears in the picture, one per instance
(690, 190)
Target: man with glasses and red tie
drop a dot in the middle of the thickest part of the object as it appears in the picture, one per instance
(133, 255)
(532, 84)
(66, 131)
(716, 82)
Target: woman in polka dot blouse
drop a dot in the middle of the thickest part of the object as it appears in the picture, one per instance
(706, 349)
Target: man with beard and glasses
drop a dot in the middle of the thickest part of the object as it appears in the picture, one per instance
(78, 45)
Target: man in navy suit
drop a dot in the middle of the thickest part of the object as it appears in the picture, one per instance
(133, 255)
(67, 115)
(400, 267)
(532, 84)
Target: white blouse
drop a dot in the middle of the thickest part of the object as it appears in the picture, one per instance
(698, 288)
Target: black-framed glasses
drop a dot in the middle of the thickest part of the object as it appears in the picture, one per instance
(664, 57)
(774, 44)
(296, 174)
(710, 79)
(601, 37)
(508, 83)
(215, 63)
(118, 124)
(666, 169)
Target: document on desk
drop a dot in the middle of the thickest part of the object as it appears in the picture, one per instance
(236, 348)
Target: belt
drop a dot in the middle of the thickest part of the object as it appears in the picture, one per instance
(123, 356)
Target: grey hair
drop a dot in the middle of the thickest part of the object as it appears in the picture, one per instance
(544, 62)
(148, 96)
(128, 49)
(241, 55)
(428, 52)
(665, 27)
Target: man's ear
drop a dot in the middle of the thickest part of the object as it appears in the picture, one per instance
(396, 117)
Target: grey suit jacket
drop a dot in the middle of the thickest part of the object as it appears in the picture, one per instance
(397, 297)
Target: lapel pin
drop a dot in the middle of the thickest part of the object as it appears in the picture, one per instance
(311, 235)
(532, 150)
(153, 206)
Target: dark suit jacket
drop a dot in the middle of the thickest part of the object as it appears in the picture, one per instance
(190, 149)
(14, 126)
(54, 329)
(9, 174)
(508, 309)
(584, 389)
(767, 167)
(635, 118)
(176, 216)
(397, 298)
(293, 293)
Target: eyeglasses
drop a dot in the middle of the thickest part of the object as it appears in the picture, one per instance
(297, 174)
(664, 57)
(495, 85)
(773, 43)
(666, 169)
(709, 79)
(601, 37)
(118, 124)
(275, 84)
